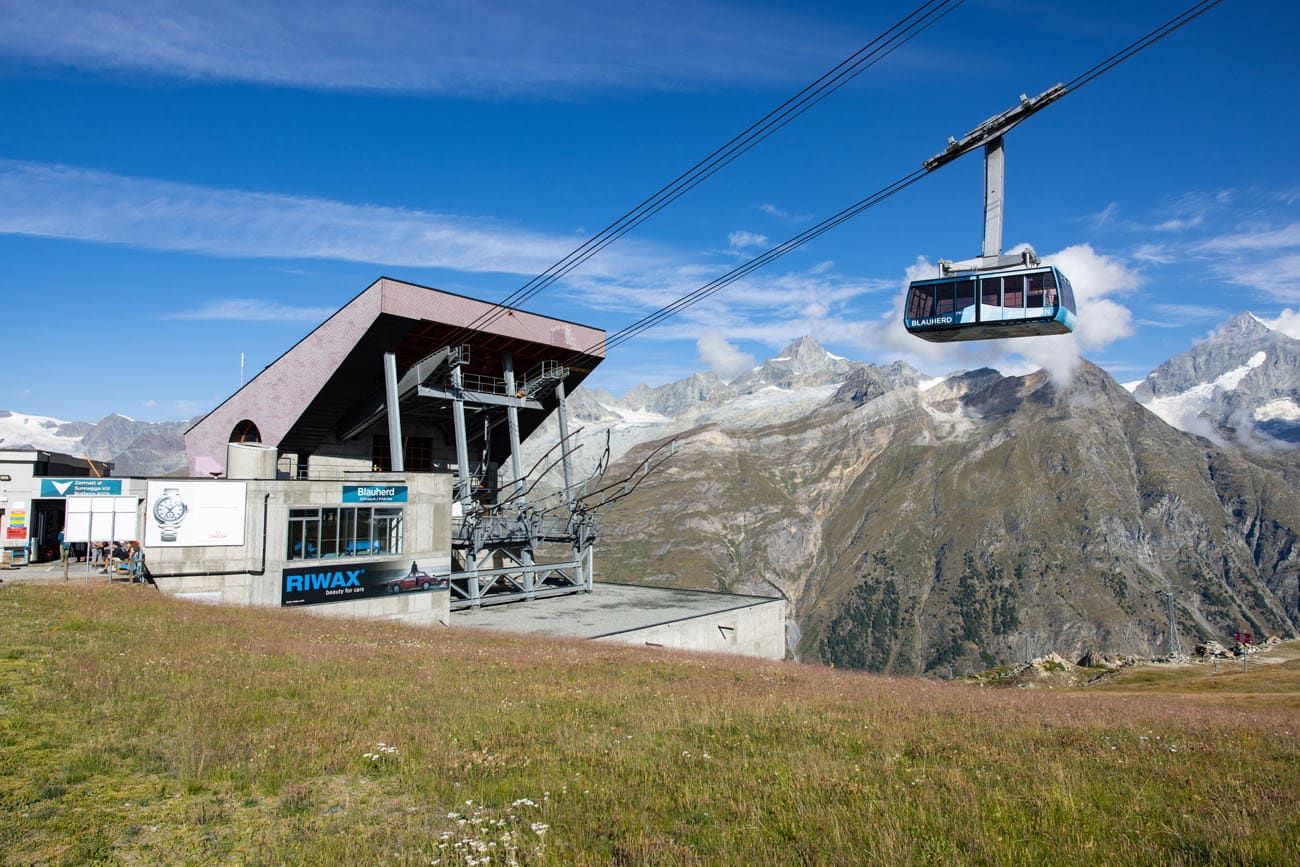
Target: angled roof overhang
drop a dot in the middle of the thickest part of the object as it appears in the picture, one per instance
(333, 377)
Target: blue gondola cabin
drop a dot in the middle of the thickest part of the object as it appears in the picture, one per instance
(1015, 303)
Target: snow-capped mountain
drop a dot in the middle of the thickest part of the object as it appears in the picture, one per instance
(793, 384)
(1240, 386)
(18, 430)
(134, 447)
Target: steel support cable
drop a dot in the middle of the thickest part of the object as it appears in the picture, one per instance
(701, 178)
(667, 196)
(757, 262)
(907, 28)
(714, 286)
(1185, 17)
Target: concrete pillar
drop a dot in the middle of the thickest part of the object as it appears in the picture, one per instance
(512, 418)
(397, 456)
(565, 445)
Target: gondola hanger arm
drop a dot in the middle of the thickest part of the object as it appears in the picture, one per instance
(995, 127)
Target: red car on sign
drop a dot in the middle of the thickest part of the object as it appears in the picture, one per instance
(416, 580)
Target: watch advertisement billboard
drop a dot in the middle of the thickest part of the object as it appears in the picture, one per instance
(185, 514)
(341, 582)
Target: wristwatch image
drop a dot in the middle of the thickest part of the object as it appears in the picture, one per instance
(169, 511)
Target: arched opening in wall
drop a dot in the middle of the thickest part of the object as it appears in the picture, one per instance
(245, 432)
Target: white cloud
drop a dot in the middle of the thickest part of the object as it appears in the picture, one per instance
(442, 46)
(253, 310)
(150, 403)
(722, 357)
(741, 240)
(1094, 277)
(1287, 322)
(65, 202)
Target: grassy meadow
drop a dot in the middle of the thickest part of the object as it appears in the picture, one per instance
(135, 728)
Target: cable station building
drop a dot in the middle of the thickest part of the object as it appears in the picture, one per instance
(359, 474)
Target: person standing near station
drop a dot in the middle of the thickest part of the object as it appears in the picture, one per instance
(63, 548)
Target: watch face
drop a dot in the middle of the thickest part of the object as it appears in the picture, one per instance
(169, 509)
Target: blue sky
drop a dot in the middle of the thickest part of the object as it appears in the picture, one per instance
(180, 183)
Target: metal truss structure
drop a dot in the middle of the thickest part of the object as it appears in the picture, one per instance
(498, 533)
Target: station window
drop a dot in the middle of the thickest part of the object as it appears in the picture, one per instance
(344, 532)
(418, 452)
(381, 456)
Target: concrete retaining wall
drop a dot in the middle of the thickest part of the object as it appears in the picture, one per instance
(758, 630)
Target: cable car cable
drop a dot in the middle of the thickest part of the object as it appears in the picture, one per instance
(913, 24)
(714, 286)
(722, 161)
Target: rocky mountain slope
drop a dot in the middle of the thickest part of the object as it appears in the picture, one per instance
(136, 448)
(944, 526)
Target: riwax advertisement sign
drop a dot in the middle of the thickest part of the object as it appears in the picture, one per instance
(16, 524)
(340, 582)
(80, 488)
(374, 493)
(188, 514)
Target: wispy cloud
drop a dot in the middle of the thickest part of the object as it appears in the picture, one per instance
(742, 240)
(510, 46)
(1180, 315)
(1262, 257)
(1180, 214)
(1255, 239)
(251, 310)
(771, 308)
(1155, 254)
(781, 214)
(67, 202)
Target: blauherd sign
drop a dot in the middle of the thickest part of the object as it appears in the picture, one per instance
(312, 585)
(374, 493)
